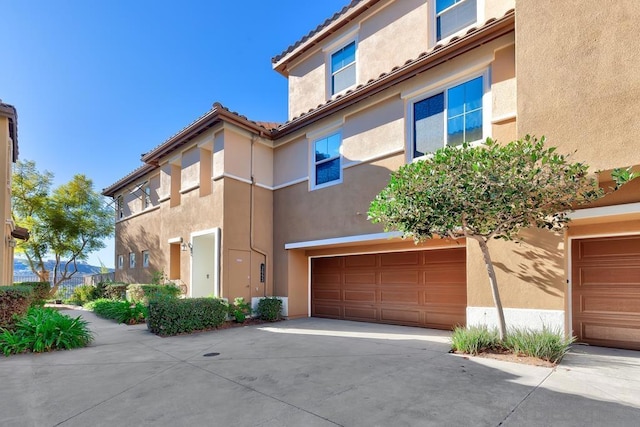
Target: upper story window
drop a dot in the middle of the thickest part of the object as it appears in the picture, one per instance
(449, 117)
(119, 207)
(343, 68)
(454, 15)
(327, 168)
(132, 260)
(145, 259)
(146, 196)
(120, 262)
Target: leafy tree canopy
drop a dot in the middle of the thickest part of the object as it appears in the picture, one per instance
(67, 223)
(486, 192)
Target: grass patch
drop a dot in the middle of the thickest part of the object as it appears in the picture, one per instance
(547, 344)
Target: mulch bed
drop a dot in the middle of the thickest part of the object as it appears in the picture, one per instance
(507, 356)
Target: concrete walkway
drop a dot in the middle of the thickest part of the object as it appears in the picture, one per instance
(309, 372)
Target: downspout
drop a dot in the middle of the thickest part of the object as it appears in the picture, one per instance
(252, 214)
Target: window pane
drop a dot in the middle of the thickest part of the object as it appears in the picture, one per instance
(443, 4)
(428, 125)
(333, 145)
(455, 100)
(321, 149)
(456, 18)
(455, 131)
(344, 78)
(327, 172)
(473, 94)
(473, 126)
(343, 57)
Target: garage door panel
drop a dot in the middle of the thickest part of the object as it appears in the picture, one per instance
(406, 297)
(401, 316)
(391, 288)
(609, 275)
(360, 296)
(606, 291)
(327, 294)
(327, 263)
(360, 261)
(368, 314)
(623, 247)
(608, 304)
(360, 278)
(333, 311)
(399, 258)
(403, 277)
(453, 274)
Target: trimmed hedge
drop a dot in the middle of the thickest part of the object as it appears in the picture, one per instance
(150, 292)
(116, 291)
(41, 292)
(120, 311)
(175, 316)
(14, 300)
(270, 308)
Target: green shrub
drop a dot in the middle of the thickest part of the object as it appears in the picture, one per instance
(547, 344)
(474, 339)
(175, 316)
(239, 310)
(127, 312)
(14, 301)
(41, 292)
(270, 308)
(149, 292)
(83, 294)
(45, 329)
(117, 291)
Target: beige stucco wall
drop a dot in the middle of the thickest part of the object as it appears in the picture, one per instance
(190, 168)
(290, 161)
(579, 77)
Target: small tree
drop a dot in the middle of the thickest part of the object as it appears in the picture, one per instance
(68, 223)
(486, 192)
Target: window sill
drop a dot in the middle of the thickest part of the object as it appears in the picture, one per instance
(150, 209)
(188, 189)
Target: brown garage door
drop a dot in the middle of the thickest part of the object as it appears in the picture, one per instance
(418, 288)
(606, 291)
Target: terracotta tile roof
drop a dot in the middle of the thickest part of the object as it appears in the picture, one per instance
(321, 27)
(491, 29)
(123, 182)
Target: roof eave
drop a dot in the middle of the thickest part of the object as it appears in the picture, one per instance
(133, 176)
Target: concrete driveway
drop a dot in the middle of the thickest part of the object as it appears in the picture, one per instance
(309, 372)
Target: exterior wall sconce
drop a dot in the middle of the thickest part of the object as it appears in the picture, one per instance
(187, 246)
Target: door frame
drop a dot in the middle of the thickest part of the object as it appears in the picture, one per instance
(216, 259)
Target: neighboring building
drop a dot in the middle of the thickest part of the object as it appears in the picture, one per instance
(378, 85)
(8, 156)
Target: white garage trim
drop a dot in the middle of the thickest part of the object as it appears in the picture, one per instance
(605, 211)
(342, 240)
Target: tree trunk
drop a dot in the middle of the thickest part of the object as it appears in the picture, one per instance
(502, 328)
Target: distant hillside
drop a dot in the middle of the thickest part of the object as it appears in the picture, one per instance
(21, 268)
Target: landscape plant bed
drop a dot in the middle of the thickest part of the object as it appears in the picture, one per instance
(509, 356)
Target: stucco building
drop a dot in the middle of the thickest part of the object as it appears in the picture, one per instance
(233, 207)
(8, 156)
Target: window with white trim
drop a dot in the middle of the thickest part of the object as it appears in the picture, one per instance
(145, 259)
(132, 260)
(449, 117)
(343, 68)
(120, 262)
(327, 168)
(119, 207)
(454, 15)
(146, 196)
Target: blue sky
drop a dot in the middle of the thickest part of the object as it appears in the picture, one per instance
(98, 83)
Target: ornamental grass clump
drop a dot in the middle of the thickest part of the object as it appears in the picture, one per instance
(45, 329)
(546, 344)
(474, 340)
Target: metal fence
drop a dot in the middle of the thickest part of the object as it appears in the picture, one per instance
(65, 290)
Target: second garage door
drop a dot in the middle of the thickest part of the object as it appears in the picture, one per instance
(417, 288)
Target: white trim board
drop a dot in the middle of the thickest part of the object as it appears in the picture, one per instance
(341, 240)
(626, 208)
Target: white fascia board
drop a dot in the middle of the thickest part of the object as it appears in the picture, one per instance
(341, 240)
(627, 208)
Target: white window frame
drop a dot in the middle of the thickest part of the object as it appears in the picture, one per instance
(330, 50)
(146, 196)
(313, 164)
(145, 259)
(119, 207)
(132, 260)
(120, 262)
(443, 88)
(480, 4)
